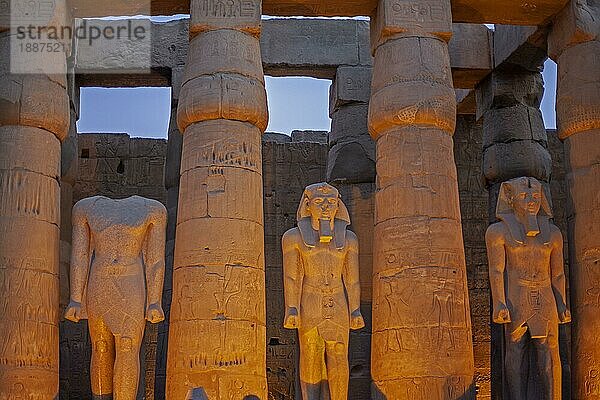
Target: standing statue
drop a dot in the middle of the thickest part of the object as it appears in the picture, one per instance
(320, 263)
(117, 273)
(525, 253)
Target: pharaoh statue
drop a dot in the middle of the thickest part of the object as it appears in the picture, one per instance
(117, 273)
(322, 291)
(527, 279)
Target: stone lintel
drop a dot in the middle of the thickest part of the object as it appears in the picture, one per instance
(510, 12)
(301, 47)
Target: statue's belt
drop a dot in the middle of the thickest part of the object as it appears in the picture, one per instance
(544, 283)
(323, 289)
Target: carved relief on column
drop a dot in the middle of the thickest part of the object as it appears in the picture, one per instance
(34, 118)
(217, 336)
(574, 43)
(422, 345)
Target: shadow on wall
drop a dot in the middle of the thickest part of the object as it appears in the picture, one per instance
(425, 394)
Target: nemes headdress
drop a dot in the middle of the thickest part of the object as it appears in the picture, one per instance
(303, 216)
(506, 213)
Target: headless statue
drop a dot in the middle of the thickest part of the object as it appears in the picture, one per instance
(117, 273)
(525, 253)
(320, 262)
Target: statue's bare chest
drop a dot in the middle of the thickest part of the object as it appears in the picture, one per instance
(323, 259)
(122, 218)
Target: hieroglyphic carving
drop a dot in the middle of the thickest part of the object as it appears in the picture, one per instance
(28, 194)
(243, 15)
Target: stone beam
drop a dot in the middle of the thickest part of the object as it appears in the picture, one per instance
(533, 12)
(299, 47)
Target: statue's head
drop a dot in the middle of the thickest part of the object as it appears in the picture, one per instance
(322, 201)
(323, 212)
(526, 198)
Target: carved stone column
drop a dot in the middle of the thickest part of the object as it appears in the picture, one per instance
(351, 169)
(34, 119)
(514, 144)
(217, 336)
(574, 44)
(422, 344)
(171, 181)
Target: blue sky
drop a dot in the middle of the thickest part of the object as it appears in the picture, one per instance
(294, 103)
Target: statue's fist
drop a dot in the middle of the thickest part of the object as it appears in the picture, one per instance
(291, 319)
(73, 311)
(502, 315)
(356, 320)
(564, 315)
(155, 314)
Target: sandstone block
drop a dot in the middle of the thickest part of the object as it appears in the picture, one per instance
(422, 18)
(507, 89)
(577, 23)
(412, 60)
(522, 158)
(36, 101)
(197, 245)
(351, 85)
(310, 136)
(219, 144)
(223, 96)
(173, 157)
(276, 137)
(224, 51)
(220, 192)
(352, 162)
(519, 122)
(242, 15)
(349, 123)
(69, 160)
(19, 143)
(436, 201)
(414, 153)
(310, 47)
(577, 101)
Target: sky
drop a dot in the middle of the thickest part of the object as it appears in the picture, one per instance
(294, 103)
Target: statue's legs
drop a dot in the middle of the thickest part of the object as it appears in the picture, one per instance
(312, 364)
(516, 365)
(103, 357)
(548, 357)
(338, 372)
(127, 363)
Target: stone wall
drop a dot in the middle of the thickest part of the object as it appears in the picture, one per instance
(117, 166)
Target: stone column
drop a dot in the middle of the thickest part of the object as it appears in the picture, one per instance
(574, 43)
(422, 344)
(34, 119)
(171, 181)
(514, 144)
(351, 169)
(217, 336)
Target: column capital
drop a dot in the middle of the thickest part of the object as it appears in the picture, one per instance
(241, 15)
(577, 23)
(411, 17)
